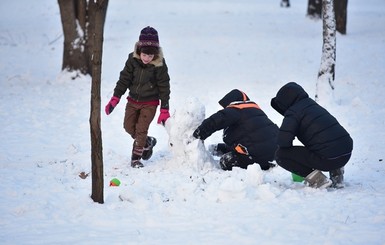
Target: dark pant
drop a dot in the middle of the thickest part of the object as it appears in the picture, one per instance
(137, 120)
(301, 161)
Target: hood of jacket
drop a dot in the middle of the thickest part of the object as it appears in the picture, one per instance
(156, 62)
(234, 95)
(287, 96)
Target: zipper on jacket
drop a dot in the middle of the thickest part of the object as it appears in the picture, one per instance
(137, 88)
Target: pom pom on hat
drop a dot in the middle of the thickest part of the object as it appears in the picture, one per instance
(148, 37)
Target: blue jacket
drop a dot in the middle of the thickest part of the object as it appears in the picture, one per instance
(246, 128)
(312, 124)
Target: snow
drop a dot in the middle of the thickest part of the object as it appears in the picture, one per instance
(181, 196)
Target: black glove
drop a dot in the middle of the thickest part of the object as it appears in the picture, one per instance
(268, 166)
(196, 133)
(201, 133)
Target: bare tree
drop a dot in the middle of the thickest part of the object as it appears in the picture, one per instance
(98, 9)
(314, 11)
(340, 7)
(326, 74)
(76, 16)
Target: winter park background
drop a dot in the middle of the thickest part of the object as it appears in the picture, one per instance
(180, 196)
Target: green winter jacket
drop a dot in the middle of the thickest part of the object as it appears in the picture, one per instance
(145, 82)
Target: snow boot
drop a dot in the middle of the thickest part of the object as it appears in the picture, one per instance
(137, 153)
(337, 177)
(317, 179)
(147, 151)
(136, 164)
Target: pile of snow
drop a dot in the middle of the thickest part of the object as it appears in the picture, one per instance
(187, 151)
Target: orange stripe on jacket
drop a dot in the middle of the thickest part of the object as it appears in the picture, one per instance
(241, 149)
(244, 105)
(244, 96)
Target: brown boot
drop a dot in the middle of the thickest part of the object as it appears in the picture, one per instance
(137, 152)
(136, 164)
(147, 150)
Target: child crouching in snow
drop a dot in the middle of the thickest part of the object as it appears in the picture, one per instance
(249, 135)
(145, 75)
(327, 145)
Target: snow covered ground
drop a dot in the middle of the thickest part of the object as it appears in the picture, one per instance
(180, 196)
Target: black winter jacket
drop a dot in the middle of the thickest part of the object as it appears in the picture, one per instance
(313, 125)
(245, 124)
(145, 82)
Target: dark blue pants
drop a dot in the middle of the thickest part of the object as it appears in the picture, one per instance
(301, 161)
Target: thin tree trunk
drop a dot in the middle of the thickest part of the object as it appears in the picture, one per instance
(326, 74)
(99, 10)
(91, 26)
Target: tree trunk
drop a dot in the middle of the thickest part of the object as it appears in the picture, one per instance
(340, 7)
(326, 74)
(98, 9)
(81, 13)
(74, 42)
(76, 16)
(314, 9)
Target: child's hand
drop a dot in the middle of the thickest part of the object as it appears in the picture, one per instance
(201, 133)
(163, 116)
(112, 104)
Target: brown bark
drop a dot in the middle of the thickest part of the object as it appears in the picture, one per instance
(76, 16)
(81, 13)
(73, 50)
(99, 9)
(340, 8)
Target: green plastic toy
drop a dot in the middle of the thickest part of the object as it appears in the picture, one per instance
(297, 178)
(114, 182)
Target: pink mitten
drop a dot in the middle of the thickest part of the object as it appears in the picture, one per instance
(111, 105)
(163, 116)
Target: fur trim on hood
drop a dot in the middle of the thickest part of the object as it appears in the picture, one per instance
(157, 62)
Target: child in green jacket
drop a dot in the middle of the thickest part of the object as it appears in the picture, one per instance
(145, 75)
